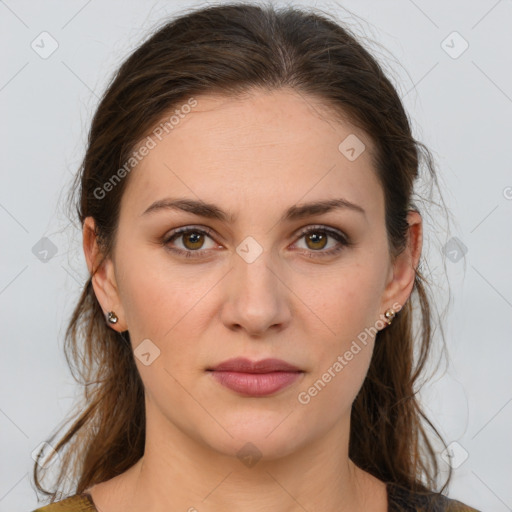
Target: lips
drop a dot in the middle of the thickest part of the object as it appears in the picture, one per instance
(255, 378)
(241, 364)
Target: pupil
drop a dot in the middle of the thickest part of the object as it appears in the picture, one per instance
(315, 238)
(194, 238)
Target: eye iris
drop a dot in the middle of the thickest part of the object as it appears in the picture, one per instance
(196, 239)
(315, 238)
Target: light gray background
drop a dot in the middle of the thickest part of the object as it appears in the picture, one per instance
(461, 108)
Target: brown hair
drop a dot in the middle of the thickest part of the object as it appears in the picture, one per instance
(232, 49)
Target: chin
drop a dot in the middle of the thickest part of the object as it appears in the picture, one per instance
(265, 440)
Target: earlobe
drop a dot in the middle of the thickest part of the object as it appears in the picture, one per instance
(400, 286)
(103, 277)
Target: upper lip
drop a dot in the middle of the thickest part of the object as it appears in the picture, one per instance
(243, 365)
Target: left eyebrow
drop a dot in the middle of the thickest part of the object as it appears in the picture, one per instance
(212, 211)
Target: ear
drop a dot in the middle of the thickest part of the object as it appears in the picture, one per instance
(403, 270)
(103, 280)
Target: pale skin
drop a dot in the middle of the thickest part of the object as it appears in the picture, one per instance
(253, 157)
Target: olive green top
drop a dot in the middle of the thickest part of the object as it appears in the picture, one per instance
(399, 500)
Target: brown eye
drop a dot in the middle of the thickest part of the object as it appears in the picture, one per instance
(316, 240)
(193, 240)
(190, 242)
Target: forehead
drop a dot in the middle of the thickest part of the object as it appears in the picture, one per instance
(258, 149)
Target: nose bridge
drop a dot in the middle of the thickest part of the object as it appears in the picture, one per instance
(255, 274)
(257, 298)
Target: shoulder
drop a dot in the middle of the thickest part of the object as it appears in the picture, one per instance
(75, 503)
(405, 500)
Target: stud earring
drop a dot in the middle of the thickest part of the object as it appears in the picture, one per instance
(112, 317)
(389, 314)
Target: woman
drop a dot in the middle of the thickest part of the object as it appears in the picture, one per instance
(246, 203)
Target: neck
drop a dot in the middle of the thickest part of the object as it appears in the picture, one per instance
(181, 473)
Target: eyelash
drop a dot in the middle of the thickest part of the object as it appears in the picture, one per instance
(343, 240)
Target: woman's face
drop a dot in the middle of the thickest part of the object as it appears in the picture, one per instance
(264, 282)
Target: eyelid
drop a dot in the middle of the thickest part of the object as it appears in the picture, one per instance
(191, 227)
(211, 232)
(175, 233)
(344, 240)
(322, 227)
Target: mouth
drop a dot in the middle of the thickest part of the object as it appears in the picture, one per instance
(255, 378)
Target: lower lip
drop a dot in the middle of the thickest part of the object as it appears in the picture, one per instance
(256, 384)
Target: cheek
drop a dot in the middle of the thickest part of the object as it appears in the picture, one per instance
(347, 301)
(348, 312)
(341, 361)
(172, 307)
(162, 305)
(157, 296)
(333, 389)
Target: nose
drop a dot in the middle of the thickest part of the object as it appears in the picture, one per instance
(257, 298)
